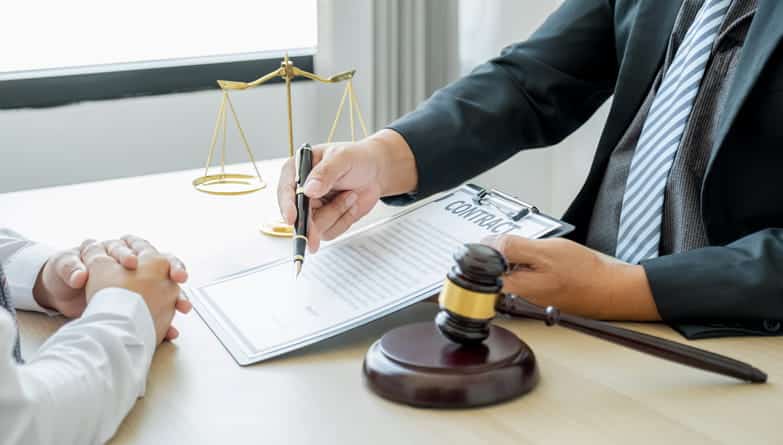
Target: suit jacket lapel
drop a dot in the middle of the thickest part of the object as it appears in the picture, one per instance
(641, 61)
(763, 36)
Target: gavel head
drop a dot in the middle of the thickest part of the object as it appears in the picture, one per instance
(467, 301)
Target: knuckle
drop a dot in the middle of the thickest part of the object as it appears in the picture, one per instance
(114, 247)
(86, 245)
(127, 237)
(173, 259)
(69, 264)
(156, 264)
(58, 259)
(338, 152)
(98, 260)
(158, 261)
(346, 203)
(503, 244)
(287, 172)
(511, 284)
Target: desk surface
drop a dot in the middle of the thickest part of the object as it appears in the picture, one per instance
(590, 391)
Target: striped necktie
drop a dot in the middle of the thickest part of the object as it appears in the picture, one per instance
(5, 304)
(639, 234)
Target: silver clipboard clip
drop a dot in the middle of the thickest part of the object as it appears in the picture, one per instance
(508, 205)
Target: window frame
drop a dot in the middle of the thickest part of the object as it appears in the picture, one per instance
(53, 88)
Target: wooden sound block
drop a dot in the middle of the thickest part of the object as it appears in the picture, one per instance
(416, 365)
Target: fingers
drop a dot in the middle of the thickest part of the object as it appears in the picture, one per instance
(158, 264)
(172, 333)
(70, 269)
(313, 239)
(529, 284)
(327, 173)
(92, 251)
(516, 249)
(342, 224)
(177, 271)
(286, 189)
(127, 252)
(341, 209)
(139, 246)
(120, 251)
(183, 305)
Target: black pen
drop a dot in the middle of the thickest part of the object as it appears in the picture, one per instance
(303, 163)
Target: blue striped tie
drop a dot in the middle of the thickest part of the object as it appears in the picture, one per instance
(5, 304)
(639, 234)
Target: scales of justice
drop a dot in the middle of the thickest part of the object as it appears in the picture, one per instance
(225, 183)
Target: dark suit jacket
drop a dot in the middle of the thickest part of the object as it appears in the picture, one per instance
(539, 91)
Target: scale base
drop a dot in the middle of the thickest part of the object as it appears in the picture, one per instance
(416, 365)
(278, 229)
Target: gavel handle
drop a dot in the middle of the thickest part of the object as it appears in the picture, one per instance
(648, 344)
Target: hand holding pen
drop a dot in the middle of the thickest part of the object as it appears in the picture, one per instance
(346, 182)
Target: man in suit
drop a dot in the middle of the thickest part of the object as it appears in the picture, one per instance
(82, 382)
(680, 217)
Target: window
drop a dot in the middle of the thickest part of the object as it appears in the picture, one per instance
(57, 52)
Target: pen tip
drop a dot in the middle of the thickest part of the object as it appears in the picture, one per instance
(298, 265)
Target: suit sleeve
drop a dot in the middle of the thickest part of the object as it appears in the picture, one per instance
(534, 94)
(722, 290)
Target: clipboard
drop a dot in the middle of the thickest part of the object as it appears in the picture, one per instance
(515, 208)
(315, 307)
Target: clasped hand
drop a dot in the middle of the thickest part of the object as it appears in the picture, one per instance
(70, 278)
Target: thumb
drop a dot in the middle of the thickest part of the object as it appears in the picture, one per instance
(70, 269)
(327, 173)
(516, 249)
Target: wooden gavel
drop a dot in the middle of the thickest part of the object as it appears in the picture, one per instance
(471, 296)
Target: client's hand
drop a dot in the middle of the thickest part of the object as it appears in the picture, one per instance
(150, 278)
(60, 284)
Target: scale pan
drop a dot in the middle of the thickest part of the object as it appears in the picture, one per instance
(228, 184)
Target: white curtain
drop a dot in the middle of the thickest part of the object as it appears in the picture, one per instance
(416, 51)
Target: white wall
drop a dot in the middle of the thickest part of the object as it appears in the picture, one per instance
(129, 137)
(548, 177)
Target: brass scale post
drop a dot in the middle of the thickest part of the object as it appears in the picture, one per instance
(228, 184)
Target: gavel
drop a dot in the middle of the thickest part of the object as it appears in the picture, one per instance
(471, 297)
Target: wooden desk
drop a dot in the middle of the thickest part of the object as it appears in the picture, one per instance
(590, 391)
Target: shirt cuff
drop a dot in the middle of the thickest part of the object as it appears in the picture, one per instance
(130, 306)
(21, 272)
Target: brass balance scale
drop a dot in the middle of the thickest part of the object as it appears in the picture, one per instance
(225, 183)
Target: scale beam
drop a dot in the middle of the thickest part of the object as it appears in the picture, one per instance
(230, 183)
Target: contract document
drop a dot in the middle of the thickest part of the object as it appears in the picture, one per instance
(264, 311)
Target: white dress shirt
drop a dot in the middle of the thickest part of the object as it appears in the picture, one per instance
(86, 377)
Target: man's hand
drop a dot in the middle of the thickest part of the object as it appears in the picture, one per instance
(575, 279)
(60, 284)
(150, 278)
(347, 181)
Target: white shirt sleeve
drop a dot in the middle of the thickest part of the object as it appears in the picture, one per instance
(22, 260)
(85, 378)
